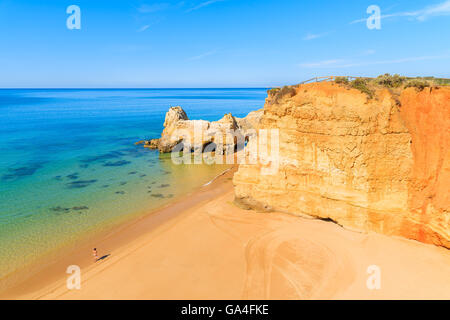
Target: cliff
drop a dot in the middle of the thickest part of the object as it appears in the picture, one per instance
(378, 162)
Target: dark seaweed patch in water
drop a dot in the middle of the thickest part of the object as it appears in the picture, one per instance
(123, 183)
(157, 195)
(73, 176)
(80, 208)
(142, 175)
(103, 157)
(117, 163)
(83, 166)
(16, 173)
(60, 209)
(120, 192)
(132, 172)
(105, 186)
(135, 152)
(80, 184)
(57, 178)
(164, 186)
(153, 182)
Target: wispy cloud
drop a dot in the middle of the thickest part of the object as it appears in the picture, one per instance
(201, 56)
(386, 16)
(203, 4)
(440, 9)
(143, 28)
(342, 63)
(312, 36)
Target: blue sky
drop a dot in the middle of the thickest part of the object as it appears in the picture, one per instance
(217, 43)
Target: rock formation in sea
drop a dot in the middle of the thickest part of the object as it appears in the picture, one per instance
(370, 162)
(179, 129)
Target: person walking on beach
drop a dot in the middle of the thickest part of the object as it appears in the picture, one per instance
(94, 254)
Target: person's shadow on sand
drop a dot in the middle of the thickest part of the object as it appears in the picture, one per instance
(103, 258)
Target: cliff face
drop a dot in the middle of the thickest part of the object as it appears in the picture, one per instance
(427, 117)
(379, 164)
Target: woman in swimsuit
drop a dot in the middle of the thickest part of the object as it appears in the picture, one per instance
(94, 253)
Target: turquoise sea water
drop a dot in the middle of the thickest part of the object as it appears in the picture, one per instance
(69, 167)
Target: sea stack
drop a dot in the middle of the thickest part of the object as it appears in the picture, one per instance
(179, 129)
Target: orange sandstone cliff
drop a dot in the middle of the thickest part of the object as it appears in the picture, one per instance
(372, 164)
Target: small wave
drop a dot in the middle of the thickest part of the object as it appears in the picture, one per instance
(213, 179)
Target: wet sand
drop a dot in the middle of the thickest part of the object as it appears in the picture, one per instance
(204, 247)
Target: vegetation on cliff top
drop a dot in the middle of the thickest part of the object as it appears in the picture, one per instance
(362, 85)
(395, 83)
(418, 84)
(278, 93)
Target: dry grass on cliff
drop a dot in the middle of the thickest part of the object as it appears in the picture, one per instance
(278, 93)
(395, 83)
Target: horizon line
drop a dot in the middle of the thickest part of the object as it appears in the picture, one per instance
(129, 88)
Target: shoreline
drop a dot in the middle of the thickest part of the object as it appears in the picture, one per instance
(202, 246)
(126, 232)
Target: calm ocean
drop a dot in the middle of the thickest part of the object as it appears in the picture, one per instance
(69, 166)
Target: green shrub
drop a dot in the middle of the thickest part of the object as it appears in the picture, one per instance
(341, 80)
(442, 82)
(278, 93)
(273, 91)
(389, 81)
(362, 85)
(418, 84)
(287, 91)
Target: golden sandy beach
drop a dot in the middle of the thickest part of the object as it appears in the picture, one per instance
(204, 247)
